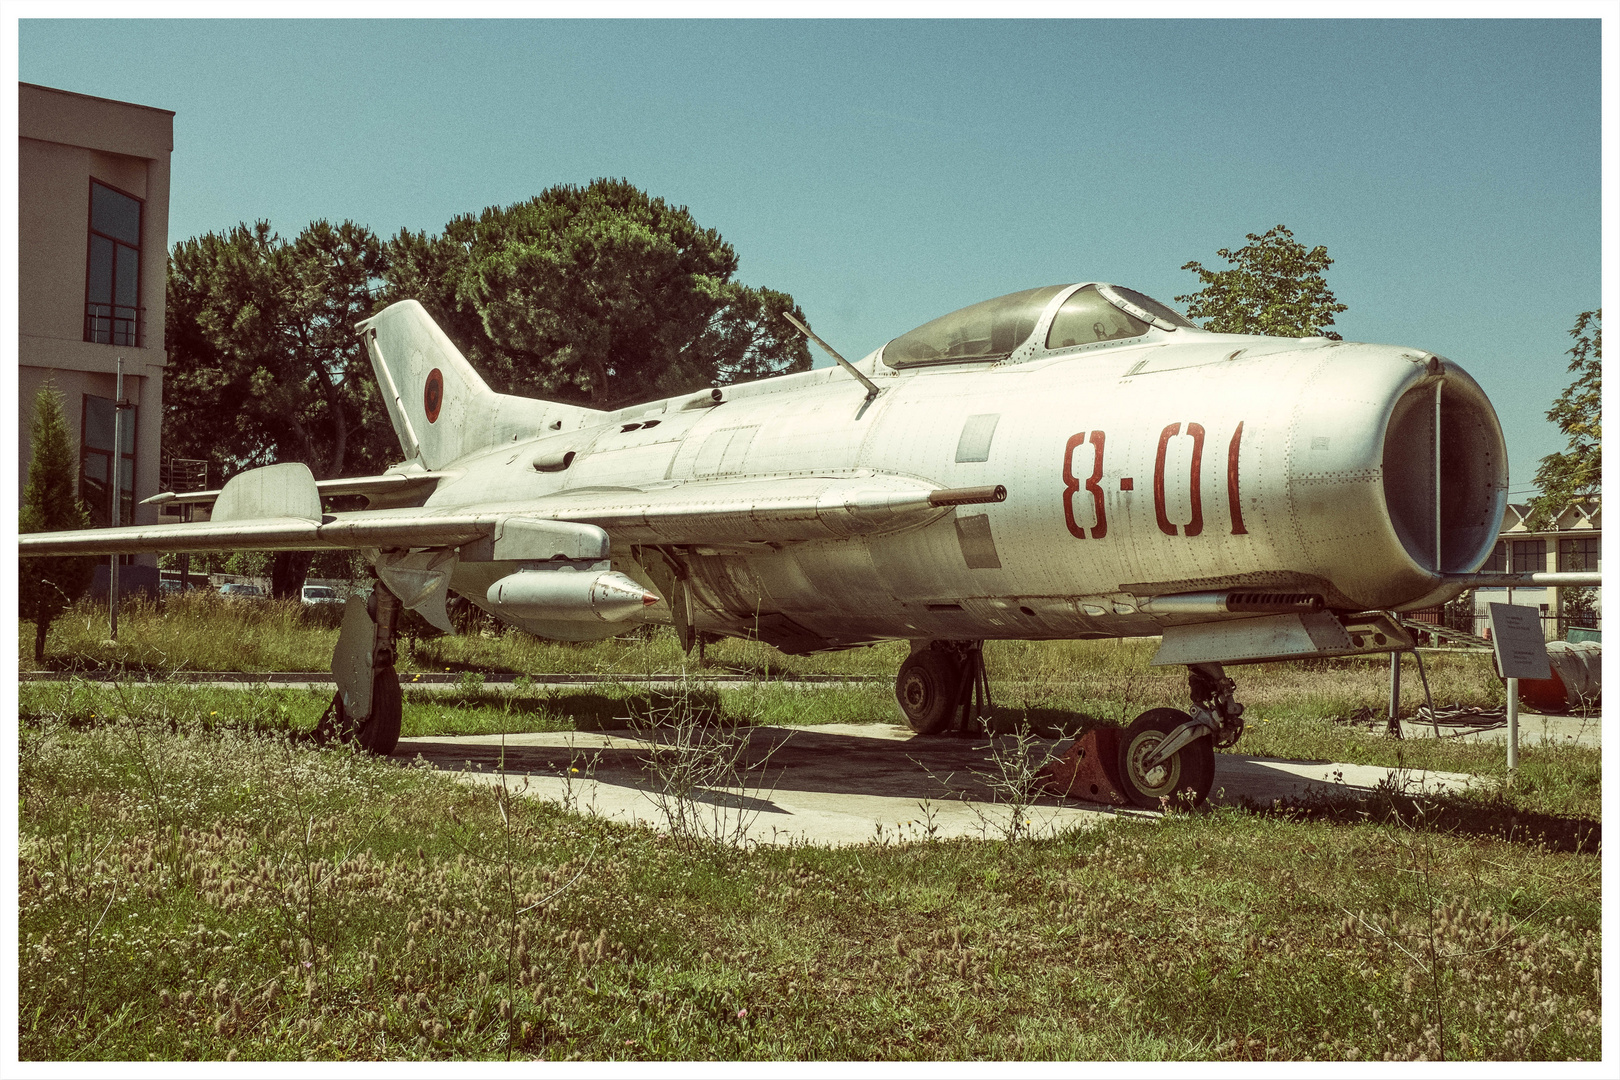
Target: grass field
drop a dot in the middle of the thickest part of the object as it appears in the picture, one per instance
(192, 892)
(199, 882)
(1099, 679)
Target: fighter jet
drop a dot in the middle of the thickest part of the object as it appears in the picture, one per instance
(1074, 461)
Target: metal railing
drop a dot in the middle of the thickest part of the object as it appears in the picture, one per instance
(1554, 627)
(113, 324)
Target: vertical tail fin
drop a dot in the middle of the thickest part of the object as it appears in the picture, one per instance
(440, 407)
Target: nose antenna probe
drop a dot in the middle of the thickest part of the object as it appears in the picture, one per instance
(871, 387)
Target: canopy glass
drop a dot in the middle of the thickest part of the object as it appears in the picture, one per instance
(991, 329)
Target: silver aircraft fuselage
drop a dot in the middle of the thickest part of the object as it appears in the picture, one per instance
(1177, 462)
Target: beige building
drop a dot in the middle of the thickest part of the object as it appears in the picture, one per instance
(1574, 542)
(93, 232)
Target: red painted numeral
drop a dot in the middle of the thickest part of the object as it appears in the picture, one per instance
(1196, 525)
(1232, 500)
(1071, 486)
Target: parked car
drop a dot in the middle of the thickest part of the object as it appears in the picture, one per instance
(321, 594)
(239, 591)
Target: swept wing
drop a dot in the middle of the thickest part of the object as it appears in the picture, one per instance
(277, 508)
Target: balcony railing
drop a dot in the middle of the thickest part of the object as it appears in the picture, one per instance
(113, 324)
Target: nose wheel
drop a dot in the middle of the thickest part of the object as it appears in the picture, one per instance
(1186, 774)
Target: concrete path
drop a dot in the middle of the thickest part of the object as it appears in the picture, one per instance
(1535, 729)
(836, 784)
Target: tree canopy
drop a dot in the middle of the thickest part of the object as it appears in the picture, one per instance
(1577, 471)
(1274, 286)
(264, 363)
(599, 294)
(46, 586)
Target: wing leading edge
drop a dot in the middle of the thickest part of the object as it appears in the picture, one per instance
(278, 509)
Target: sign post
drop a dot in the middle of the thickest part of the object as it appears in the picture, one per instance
(1394, 727)
(1521, 653)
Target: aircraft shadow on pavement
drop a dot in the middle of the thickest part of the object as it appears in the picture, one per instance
(783, 759)
(788, 759)
(943, 768)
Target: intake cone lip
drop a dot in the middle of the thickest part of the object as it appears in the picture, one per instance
(1465, 515)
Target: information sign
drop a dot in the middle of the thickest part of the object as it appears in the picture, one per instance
(1521, 651)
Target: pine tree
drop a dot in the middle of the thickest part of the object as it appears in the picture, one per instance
(47, 586)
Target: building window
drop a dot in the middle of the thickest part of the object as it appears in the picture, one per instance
(95, 461)
(112, 313)
(1581, 553)
(1529, 556)
(1498, 562)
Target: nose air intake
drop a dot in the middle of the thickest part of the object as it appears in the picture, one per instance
(1445, 495)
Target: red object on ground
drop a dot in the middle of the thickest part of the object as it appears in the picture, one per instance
(1089, 770)
(1544, 695)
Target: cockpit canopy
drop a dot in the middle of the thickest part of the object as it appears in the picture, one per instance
(993, 329)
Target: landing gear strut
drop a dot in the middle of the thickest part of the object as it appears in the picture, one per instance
(942, 685)
(1165, 756)
(1169, 754)
(367, 708)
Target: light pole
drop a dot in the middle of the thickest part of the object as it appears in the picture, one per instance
(119, 407)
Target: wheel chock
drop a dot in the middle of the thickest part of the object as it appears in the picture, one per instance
(1088, 771)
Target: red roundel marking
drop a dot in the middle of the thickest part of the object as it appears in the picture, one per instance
(433, 395)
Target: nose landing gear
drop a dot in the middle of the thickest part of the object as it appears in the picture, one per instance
(1165, 754)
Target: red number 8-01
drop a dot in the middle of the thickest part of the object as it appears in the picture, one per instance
(1072, 486)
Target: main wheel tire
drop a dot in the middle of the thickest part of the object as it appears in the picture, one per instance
(929, 688)
(379, 732)
(1189, 770)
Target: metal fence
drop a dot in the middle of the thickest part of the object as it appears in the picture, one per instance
(1554, 626)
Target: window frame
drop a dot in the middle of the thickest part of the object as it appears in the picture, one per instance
(85, 450)
(1528, 547)
(91, 232)
(1588, 550)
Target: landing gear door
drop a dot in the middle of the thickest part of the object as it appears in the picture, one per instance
(351, 660)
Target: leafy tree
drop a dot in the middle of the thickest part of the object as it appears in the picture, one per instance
(1274, 286)
(1579, 607)
(599, 294)
(47, 586)
(264, 362)
(1577, 472)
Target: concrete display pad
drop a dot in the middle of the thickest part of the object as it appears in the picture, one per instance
(837, 784)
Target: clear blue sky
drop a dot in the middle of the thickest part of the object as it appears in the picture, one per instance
(885, 173)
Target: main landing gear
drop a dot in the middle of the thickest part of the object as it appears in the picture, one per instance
(1164, 756)
(942, 685)
(367, 708)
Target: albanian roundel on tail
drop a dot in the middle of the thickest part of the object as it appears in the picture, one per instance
(433, 395)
